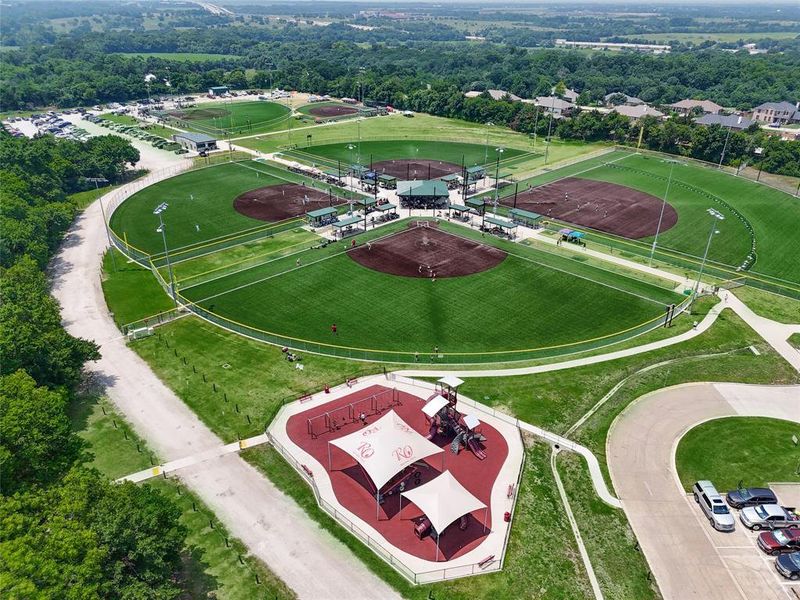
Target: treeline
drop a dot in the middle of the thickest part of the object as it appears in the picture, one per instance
(678, 135)
(80, 70)
(65, 530)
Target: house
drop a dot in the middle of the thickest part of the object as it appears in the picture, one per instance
(218, 90)
(612, 98)
(685, 107)
(729, 121)
(777, 113)
(199, 142)
(557, 106)
(569, 94)
(495, 94)
(637, 112)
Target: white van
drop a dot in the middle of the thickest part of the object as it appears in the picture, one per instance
(713, 506)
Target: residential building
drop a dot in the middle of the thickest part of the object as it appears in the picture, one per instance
(735, 122)
(777, 113)
(638, 112)
(685, 107)
(557, 106)
(569, 94)
(629, 100)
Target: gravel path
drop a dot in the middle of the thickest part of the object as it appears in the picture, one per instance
(273, 527)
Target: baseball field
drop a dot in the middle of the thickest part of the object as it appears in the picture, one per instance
(224, 118)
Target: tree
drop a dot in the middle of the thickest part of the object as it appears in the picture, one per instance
(31, 335)
(90, 538)
(36, 441)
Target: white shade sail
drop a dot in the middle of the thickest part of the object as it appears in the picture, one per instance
(471, 421)
(434, 405)
(443, 500)
(451, 381)
(386, 447)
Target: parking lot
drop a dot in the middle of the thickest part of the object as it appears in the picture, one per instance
(751, 569)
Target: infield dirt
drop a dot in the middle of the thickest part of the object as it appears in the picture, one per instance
(279, 202)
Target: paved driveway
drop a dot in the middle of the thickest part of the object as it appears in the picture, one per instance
(688, 559)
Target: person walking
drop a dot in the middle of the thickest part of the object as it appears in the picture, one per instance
(333, 329)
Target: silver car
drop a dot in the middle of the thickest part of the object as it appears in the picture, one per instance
(768, 516)
(713, 506)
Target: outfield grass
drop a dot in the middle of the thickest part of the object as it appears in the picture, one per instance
(469, 154)
(199, 199)
(767, 214)
(541, 561)
(131, 291)
(753, 450)
(397, 128)
(235, 118)
(381, 312)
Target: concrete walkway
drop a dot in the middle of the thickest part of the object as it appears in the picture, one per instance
(271, 525)
(688, 559)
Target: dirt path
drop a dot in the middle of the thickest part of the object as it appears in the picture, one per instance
(688, 559)
(274, 528)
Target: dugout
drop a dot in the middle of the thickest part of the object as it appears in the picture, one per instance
(388, 182)
(388, 211)
(321, 217)
(367, 204)
(423, 194)
(453, 180)
(477, 204)
(348, 226)
(475, 173)
(461, 212)
(500, 226)
(525, 217)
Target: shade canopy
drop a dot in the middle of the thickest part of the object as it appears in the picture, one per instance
(471, 421)
(443, 500)
(434, 405)
(386, 447)
(451, 381)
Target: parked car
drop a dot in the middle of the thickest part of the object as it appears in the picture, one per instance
(750, 497)
(712, 505)
(788, 565)
(768, 516)
(780, 541)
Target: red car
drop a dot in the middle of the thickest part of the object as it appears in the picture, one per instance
(780, 541)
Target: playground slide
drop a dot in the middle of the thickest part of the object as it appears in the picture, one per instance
(476, 449)
(432, 432)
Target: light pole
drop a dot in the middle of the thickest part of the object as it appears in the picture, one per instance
(535, 123)
(725, 145)
(486, 145)
(661, 215)
(549, 129)
(499, 151)
(96, 181)
(163, 231)
(717, 216)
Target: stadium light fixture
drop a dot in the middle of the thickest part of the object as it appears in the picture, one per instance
(717, 217)
(486, 145)
(663, 206)
(163, 231)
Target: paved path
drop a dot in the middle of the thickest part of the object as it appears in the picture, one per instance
(680, 550)
(272, 526)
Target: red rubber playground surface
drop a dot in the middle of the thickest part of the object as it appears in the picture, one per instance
(354, 490)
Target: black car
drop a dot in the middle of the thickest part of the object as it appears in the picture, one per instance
(750, 497)
(788, 565)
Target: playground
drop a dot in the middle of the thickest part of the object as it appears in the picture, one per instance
(428, 475)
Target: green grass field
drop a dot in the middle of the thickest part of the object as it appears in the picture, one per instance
(199, 199)
(378, 150)
(751, 211)
(222, 118)
(551, 298)
(397, 128)
(725, 36)
(755, 450)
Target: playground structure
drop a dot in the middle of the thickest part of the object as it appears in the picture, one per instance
(443, 418)
(359, 410)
